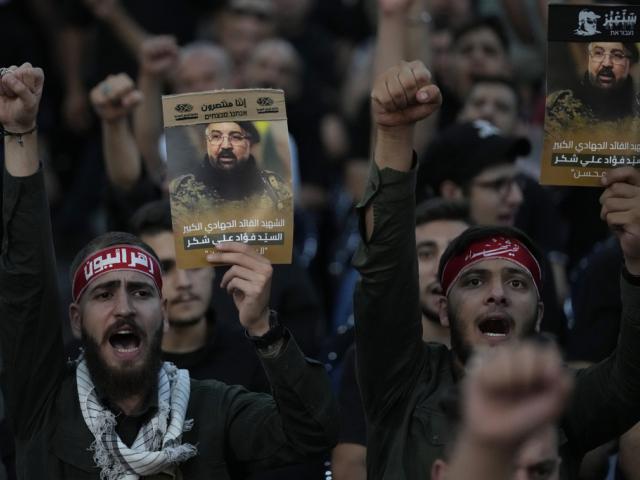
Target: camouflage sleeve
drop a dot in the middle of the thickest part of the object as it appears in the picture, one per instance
(564, 110)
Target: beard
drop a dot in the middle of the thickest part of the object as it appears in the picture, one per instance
(463, 349)
(118, 384)
(237, 183)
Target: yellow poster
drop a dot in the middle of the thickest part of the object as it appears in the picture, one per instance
(229, 168)
(592, 116)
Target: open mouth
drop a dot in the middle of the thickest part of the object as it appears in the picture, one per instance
(125, 340)
(495, 327)
(606, 77)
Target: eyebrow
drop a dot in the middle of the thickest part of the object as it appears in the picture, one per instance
(232, 131)
(114, 284)
(484, 271)
(426, 243)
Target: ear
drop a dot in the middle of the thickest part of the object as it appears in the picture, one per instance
(540, 315)
(438, 470)
(75, 319)
(451, 191)
(443, 311)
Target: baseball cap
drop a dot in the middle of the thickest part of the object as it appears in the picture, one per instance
(462, 151)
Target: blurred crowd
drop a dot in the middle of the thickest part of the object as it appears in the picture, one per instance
(486, 56)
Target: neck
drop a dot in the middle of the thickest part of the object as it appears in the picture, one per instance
(131, 405)
(432, 332)
(185, 338)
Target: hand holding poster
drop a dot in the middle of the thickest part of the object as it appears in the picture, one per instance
(229, 171)
(592, 119)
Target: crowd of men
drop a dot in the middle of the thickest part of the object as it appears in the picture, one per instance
(445, 316)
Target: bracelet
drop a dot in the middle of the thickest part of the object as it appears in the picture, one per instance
(7, 133)
(275, 333)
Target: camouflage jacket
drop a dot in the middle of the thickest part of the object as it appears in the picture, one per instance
(190, 194)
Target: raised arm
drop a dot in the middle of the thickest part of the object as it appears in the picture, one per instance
(20, 92)
(113, 14)
(604, 404)
(158, 56)
(113, 100)
(30, 335)
(403, 32)
(301, 420)
(386, 300)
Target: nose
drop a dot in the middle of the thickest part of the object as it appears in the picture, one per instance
(226, 143)
(606, 61)
(515, 195)
(124, 306)
(496, 293)
(183, 279)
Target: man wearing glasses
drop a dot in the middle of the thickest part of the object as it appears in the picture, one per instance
(230, 173)
(605, 92)
(474, 161)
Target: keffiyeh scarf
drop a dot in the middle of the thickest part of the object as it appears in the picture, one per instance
(158, 446)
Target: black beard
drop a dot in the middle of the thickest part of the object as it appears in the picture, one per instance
(118, 385)
(459, 346)
(237, 183)
(612, 104)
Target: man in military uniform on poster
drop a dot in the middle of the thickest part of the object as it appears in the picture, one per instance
(605, 92)
(230, 173)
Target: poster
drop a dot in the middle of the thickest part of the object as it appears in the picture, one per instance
(592, 114)
(229, 168)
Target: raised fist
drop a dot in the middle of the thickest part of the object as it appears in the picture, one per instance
(403, 95)
(158, 55)
(20, 93)
(512, 391)
(115, 97)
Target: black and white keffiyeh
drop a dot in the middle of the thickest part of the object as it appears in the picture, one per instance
(158, 446)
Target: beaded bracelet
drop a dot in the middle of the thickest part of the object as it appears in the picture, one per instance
(18, 135)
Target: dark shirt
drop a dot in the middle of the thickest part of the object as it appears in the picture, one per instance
(403, 379)
(353, 426)
(227, 356)
(235, 430)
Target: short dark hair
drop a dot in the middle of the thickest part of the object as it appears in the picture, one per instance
(152, 218)
(463, 151)
(492, 23)
(105, 240)
(473, 234)
(436, 209)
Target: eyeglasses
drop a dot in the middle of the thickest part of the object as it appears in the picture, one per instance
(501, 185)
(235, 138)
(617, 57)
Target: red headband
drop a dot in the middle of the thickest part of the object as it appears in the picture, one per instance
(506, 248)
(118, 257)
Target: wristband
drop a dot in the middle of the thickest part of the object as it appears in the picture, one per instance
(7, 133)
(273, 335)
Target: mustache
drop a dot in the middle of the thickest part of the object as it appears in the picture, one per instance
(125, 322)
(606, 71)
(228, 153)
